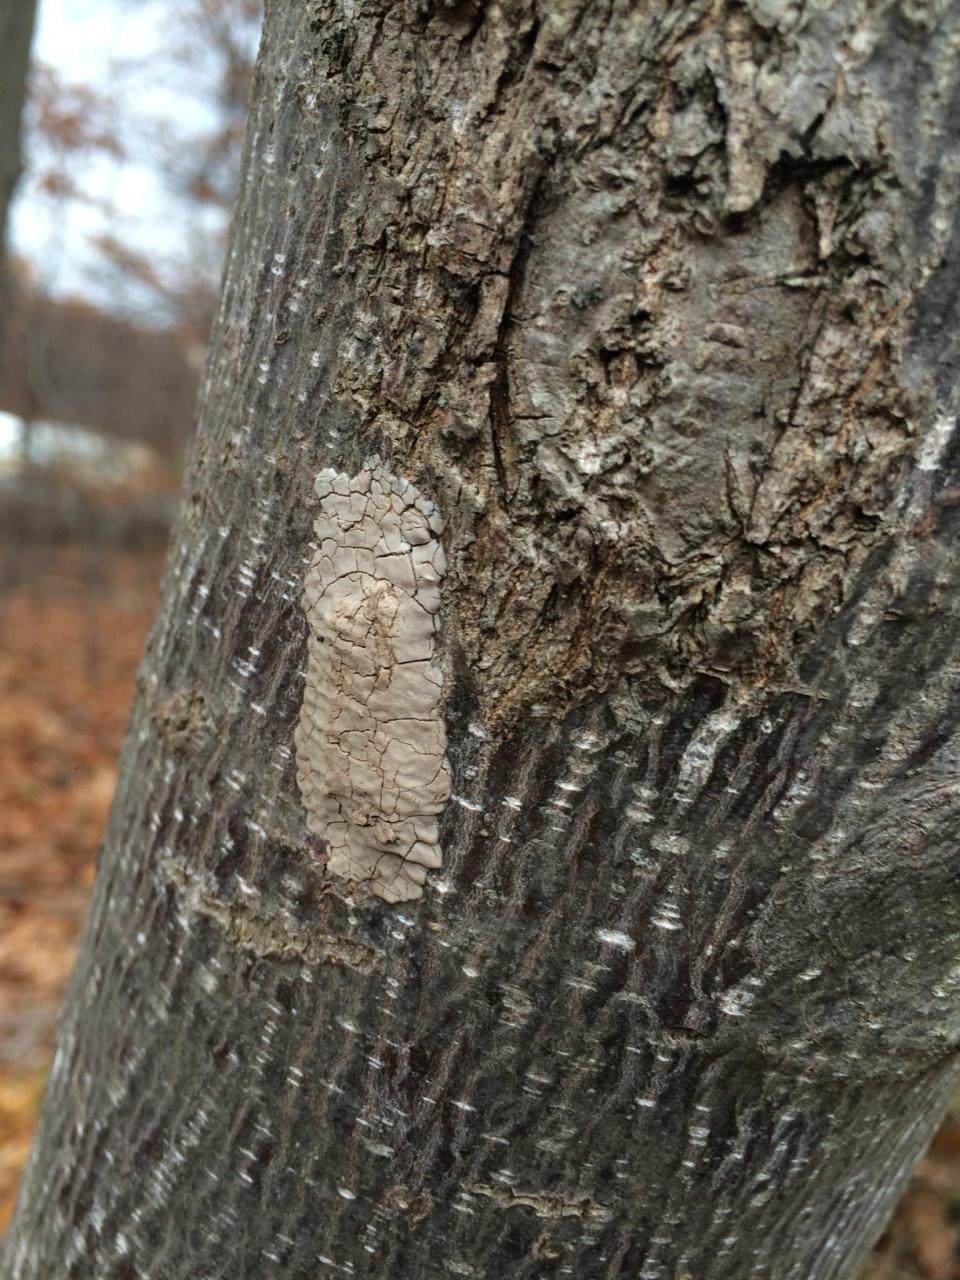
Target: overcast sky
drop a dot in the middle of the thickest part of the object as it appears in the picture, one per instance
(120, 48)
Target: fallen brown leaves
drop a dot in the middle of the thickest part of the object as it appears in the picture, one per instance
(72, 629)
(922, 1241)
(20, 1094)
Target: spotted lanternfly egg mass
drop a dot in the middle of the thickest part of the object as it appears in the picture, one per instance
(371, 743)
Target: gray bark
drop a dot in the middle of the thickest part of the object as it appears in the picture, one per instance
(658, 304)
(17, 19)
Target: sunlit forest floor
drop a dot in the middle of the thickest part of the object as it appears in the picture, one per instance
(72, 628)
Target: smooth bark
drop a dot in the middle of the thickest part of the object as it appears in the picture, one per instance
(658, 303)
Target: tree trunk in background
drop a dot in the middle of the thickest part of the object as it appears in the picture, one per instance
(17, 19)
(658, 304)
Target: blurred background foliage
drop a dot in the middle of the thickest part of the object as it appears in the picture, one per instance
(129, 120)
(120, 144)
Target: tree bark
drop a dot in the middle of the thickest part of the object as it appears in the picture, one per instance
(17, 19)
(657, 304)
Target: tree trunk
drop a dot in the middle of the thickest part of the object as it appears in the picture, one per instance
(17, 19)
(656, 304)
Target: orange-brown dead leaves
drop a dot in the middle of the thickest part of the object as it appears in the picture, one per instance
(72, 629)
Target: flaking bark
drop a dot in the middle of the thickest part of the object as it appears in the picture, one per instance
(658, 302)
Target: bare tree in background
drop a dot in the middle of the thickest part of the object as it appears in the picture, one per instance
(17, 18)
(212, 42)
(658, 303)
(127, 364)
(69, 361)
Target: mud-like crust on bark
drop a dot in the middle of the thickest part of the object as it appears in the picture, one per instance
(371, 742)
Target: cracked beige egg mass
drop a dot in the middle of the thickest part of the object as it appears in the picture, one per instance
(371, 742)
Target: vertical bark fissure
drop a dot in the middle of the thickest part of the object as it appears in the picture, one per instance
(501, 415)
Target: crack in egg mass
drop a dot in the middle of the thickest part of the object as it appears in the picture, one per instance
(371, 742)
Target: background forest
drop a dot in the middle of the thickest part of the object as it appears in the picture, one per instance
(131, 141)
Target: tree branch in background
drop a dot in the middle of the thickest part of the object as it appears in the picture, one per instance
(17, 19)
